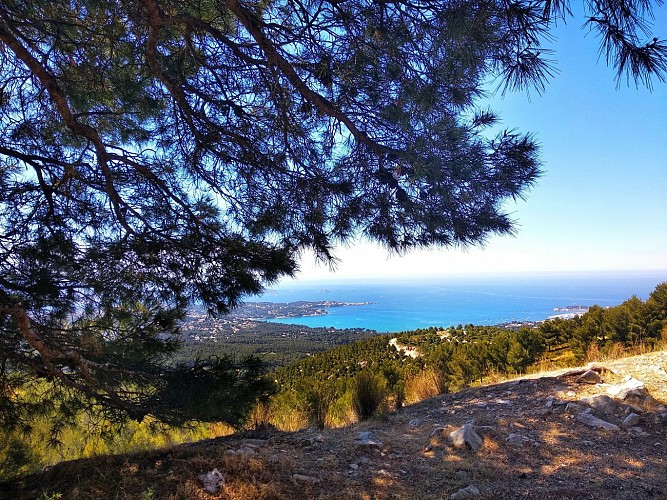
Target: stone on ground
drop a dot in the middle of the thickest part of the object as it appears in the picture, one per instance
(631, 420)
(630, 389)
(589, 377)
(471, 491)
(212, 480)
(600, 403)
(305, 479)
(593, 421)
(466, 437)
(367, 438)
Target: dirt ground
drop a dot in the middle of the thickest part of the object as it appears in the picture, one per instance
(409, 456)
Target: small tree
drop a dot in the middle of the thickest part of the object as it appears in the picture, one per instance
(469, 362)
(369, 392)
(656, 306)
(591, 328)
(316, 399)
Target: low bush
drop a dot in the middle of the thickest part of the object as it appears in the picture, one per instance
(424, 385)
(369, 392)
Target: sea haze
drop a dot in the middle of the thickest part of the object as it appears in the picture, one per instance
(407, 304)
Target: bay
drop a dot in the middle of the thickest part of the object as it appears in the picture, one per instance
(408, 304)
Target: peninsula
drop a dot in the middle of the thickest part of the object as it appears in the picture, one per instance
(276, 310)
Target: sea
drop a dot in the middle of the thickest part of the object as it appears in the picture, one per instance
(395, 305)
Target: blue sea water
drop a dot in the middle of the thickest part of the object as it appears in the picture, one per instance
(405, 304)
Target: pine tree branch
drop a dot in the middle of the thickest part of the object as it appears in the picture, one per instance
(57, 96)
(254, 26)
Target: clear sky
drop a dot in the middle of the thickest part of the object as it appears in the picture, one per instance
(601, 203)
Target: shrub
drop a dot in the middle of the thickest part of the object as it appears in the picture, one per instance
(424, 385)
(288, 412)
(369, 392)
(261, 416)
(341, 412)
(316, 400)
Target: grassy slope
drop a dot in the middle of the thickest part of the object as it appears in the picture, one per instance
(568, 460)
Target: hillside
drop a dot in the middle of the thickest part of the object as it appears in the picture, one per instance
(533, 445)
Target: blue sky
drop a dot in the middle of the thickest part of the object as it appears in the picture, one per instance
(601, 203)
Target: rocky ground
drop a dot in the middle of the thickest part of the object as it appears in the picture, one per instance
(557, 435)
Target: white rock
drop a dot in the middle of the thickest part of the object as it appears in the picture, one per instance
(415, 422)
(593, 421)
(468, 492)
(466, 437)
(212, 481)
(367, 438)
(518, 440)
(630, 388)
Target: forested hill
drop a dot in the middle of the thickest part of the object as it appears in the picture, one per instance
(357, 375)
(316, 369)
(409, 366)
(276, 344)
(529, 443)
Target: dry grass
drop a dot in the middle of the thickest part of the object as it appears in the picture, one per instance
(426, 384)
(564, 459)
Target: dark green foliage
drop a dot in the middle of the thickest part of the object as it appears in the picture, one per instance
(552, 332)
(316, 398)
(161, 153)
(368, 393)
(214, 390)
(469, 362)
(627, 322)
(17, 456)
(531, 346)
(453, 357)
(275, 344)
(656, 319)
(631, 323)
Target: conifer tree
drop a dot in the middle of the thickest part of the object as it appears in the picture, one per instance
(160, 153)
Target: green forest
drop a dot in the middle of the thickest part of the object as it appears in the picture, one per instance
(344, 376)
(276, 344)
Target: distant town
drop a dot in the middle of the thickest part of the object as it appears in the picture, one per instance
(582, 309)
(198, 325)
(275, 310)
